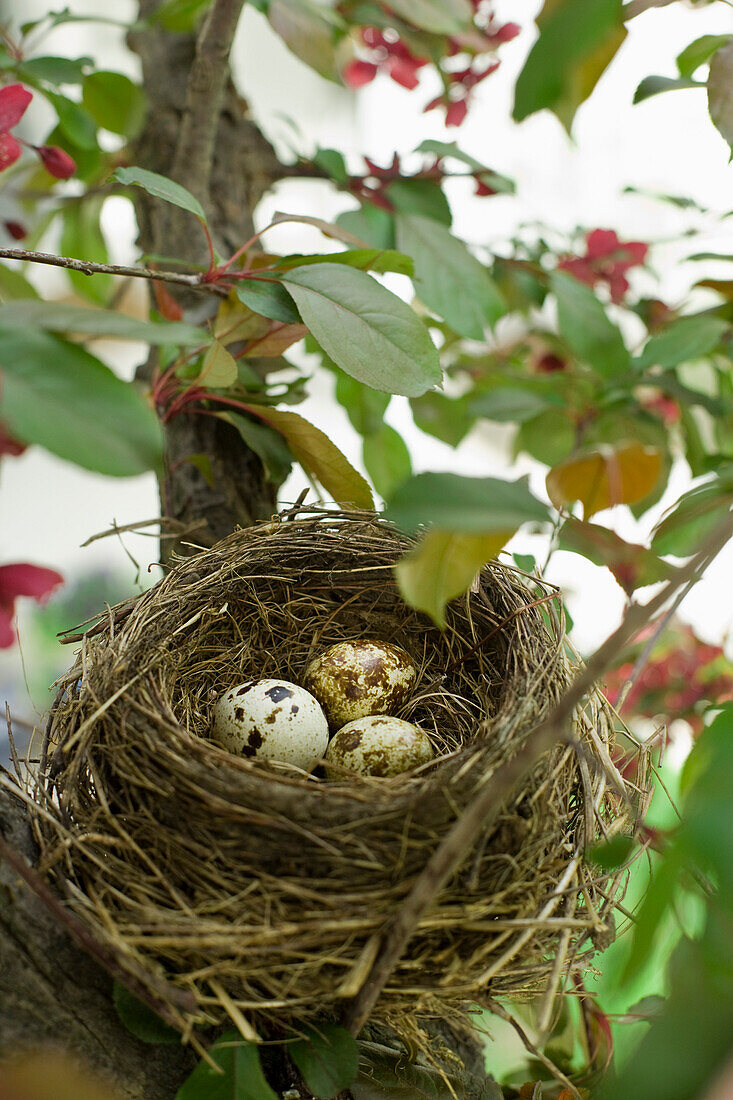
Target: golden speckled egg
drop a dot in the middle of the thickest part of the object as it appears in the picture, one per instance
(272, 720)
(378, 745)
(353, 679)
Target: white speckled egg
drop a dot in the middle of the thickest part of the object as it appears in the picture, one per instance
(353, 679)
(378, 745)
(272, 720)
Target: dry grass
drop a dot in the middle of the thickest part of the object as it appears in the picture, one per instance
(264, 892)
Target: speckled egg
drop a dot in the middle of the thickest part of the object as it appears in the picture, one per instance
(378, 745)
(353, 679)
(272, 720)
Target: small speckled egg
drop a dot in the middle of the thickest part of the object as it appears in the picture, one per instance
(353, 679)
(378, 745)
(272, 720)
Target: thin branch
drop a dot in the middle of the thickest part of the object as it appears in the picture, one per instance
(483, 810)
(87, 267)
(638, 7)
(207, 82)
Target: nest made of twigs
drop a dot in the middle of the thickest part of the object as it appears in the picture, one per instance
(262, 894)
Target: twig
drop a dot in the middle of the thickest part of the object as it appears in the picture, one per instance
(207, 81)
(88, 267)
(645, 654)
(638, 7)
(482, 811)
(500, 1011)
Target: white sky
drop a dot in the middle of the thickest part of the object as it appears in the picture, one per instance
(49, 507)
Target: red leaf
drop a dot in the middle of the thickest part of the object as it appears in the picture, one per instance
(14, 100)
(601, 242)
(168, 307)
(56, 162)
(456, 112)
(9, 151)
(22, 579)
(403, 71)
(358, 73)
(8, 444)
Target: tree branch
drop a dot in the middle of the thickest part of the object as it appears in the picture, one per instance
(88, 267)
(207, 81)
(479, 814)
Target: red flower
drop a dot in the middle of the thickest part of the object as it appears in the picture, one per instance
(607, 259)
(21, 579)
(14, 100)
(56, 162)
(358, 73)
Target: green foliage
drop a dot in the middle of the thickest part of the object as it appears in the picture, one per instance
(269, 299)
(699, 52)
(58, 317)
(448, 278)
(654, 85)
(720, 91)
(586, 327)
(436, 16)
(114, 102)
(58, 395)
(469, 505)
(238, 1075)
(141, 1020)
(328, 1059)
(387, 459)
(367, 331)
(162, 188)
(682, 341)
(82, 239)
(559, 72)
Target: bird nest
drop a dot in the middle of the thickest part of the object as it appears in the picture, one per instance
(227, 887)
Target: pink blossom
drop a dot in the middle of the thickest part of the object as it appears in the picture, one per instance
(14, 100)
(606, 259)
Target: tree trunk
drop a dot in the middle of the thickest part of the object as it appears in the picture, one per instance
(52, 991)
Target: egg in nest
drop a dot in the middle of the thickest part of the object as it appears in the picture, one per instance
(353, 679)
(272, 720)
(378, 745)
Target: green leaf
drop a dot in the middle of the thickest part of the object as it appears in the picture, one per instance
(56, 70)
(365, 407)
(269, 299)
(613, 854)
(367, 259)
(586, 328)
(655, 85)
(141, 1020)
(421, 197)
(161, 188)
(682, 341)
(74, 121)
(509, 404)
(13, 285)
(549, 437)
(370, 223)
(720, 91)
(57, 317)
(181, 16)
(239, 1075)
(470, 505)
(328, 1059)
(82, 239)
(435, 16)
(319, 456)
(448, 278)
(332, 163)
(699, 51)
(501, 184)
(114, 102)
(368, 332)
(385, 1074)
(218, 368)
(442, 566)
(573, 33)
(267, 443)
(309, 31)
(445, 418)
(696, 514)
(387, 459)
(59, 396)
